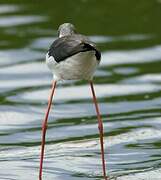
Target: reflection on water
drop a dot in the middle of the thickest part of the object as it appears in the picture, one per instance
(127, 84)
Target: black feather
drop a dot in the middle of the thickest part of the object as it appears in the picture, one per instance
(68, 46)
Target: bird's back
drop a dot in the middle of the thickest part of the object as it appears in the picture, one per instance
(67, 46)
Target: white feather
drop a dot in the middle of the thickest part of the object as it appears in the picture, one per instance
(79, 66)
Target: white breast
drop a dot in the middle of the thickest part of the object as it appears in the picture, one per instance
(79, 66)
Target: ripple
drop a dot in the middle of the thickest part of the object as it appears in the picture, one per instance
(126, 71)
(17, 117)
(16, 20)
(134, 136)
(29, 68)
(75, 153)
(42, 43)
(15, 56)
(132, 56)
(24, 75)
(103, 90)
(131, 37)
(6, 8)
(154, 174)
(46, 41)
(147, 78)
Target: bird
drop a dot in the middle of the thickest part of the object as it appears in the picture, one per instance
(72, 56)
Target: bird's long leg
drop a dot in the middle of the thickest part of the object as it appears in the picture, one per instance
(100, 127)
(44, 128)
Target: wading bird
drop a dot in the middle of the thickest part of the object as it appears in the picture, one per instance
(72, 56)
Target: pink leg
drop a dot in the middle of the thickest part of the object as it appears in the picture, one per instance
(100, 127)
(44, 128)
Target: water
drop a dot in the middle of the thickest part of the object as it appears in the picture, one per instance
(128, 87)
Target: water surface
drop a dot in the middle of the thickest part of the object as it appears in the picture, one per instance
(127, 83)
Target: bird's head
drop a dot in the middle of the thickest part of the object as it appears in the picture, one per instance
(66, 29)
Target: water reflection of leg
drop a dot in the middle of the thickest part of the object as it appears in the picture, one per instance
(44, 128)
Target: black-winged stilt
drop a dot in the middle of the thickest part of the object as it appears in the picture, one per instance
(72, 57)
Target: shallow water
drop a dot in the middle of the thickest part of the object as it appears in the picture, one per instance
(127, 83)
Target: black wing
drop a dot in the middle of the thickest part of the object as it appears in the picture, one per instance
(67, 46)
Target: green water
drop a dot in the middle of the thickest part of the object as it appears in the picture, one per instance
(128, 87)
